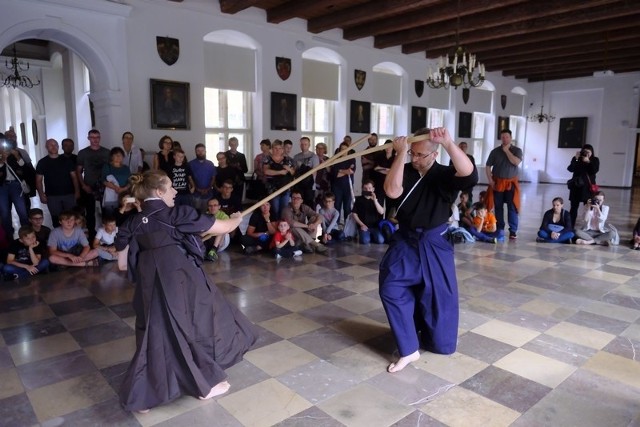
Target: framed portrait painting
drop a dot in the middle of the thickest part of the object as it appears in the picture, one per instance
(572, 132)
(464, 124)
(360, 117)
(418, 118)
(169, 105)
(283, 111)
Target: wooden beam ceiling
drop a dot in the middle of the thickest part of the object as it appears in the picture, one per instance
(574, 37)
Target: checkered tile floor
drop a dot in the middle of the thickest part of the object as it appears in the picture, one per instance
(549, 336)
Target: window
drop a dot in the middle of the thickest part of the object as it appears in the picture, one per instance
(227, 113)
(317, 121)
(383, 121)
(435, 118)
(477, 137)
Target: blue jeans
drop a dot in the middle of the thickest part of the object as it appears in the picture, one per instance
(278, 204)
(372, 234)
(500, 198)
(11, 193)
(22, 273)
(564, 237)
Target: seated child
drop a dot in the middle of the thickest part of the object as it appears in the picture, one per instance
(103, 242)
(556, 224)
(330, 217)
(24, 256)
(80, 220)
(465, 211)
(36, 218)
(367, 213)
(68, 244)
(484, 225)
(283, 243)
(215, 244)
(594, 231)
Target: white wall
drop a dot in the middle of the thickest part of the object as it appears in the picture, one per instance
(118, 44)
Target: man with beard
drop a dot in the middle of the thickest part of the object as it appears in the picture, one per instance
(204, 175)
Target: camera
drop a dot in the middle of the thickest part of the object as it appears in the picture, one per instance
(594, 201)
(367, 193)
(584, 153)
(129, 199)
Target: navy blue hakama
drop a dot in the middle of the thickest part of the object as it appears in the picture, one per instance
(419, 290)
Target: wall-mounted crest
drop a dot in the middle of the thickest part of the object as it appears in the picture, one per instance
(359, 78)
(168, 49)
(503, 101)
(419, 87)
(283, 67)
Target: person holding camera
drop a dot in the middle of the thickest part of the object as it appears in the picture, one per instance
(584, 166)
(367, 213)
(593, 231)
(11, 187)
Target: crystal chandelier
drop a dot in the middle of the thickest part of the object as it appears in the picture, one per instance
(15, 79)
(541, 117)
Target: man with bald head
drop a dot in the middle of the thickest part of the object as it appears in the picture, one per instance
(56, 181)
(418, 285)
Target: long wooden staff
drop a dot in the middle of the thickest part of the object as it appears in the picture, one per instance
(339, 156)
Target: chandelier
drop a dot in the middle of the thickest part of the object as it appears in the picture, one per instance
(458, 69)
(15, 79)
(541, 117)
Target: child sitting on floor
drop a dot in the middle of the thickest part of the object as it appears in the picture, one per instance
(103, 242)
(484, 225)
(24, 256)
(68, 244)
(283, 243)
(330, 217)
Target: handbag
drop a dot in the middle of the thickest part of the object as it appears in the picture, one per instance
(593, 188)
(23, 184)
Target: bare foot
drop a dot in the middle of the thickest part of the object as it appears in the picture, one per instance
(217, 390)
(403, 362)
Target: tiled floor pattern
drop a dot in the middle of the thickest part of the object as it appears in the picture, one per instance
(549, 336)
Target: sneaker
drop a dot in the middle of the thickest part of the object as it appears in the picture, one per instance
(297, 253)
(307, 249)
(278, 256)
(16, 277)
(512, 235)
(250, 250)
(540, 240)
(211, 255)
(494, 240)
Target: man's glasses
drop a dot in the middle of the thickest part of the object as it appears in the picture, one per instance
(420, 155)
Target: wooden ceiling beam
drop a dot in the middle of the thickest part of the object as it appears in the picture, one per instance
(294, 8)
(235, 6)
(565, 46)
(593, 65)
(536, 30)
(495, 22)
(416, 20)
(575, 74)
(571, 61)
(601, 50)
(354, 15)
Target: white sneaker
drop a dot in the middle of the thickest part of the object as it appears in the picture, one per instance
(278, 256)
(297, 253)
